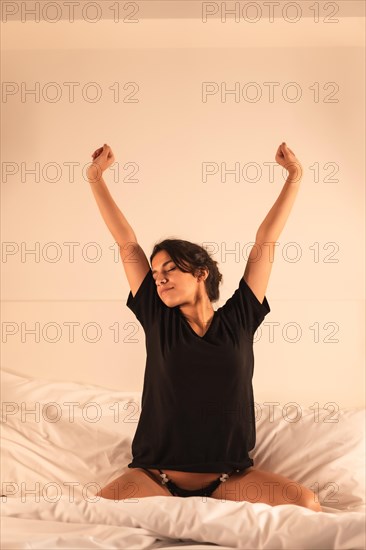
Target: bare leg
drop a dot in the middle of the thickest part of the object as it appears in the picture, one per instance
(133, 484)
(261, 486)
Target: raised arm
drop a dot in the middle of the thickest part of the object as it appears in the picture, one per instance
(260, 261)
(112, 215)
(274, 222)
(134, 260)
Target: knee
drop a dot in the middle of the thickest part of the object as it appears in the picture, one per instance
(309, 500)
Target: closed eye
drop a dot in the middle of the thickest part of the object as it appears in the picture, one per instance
(172, 269)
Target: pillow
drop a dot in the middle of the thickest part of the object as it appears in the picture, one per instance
(63, 438)
(323, 449)
(89, 444)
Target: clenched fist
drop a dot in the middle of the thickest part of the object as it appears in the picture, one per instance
(102, 159)
(287, 158)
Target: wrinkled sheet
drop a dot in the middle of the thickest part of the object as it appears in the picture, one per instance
(44, 455)
(166, 522)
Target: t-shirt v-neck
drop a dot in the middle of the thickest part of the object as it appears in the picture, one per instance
(184, 320)
(197, 411)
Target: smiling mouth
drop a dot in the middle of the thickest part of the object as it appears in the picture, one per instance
(166, 290)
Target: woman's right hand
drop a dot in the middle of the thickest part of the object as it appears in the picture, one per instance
(102, 159)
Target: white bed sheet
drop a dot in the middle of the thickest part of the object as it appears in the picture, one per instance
(44, 453)
(161, 522)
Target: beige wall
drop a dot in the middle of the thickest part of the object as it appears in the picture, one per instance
(311, 346)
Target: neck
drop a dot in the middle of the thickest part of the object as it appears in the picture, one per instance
(198, 316)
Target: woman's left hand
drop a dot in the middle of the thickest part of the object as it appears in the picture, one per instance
(287, 158)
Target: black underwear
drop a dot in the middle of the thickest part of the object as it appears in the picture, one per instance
(205, 491)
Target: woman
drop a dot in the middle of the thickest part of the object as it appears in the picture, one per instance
(197, 423)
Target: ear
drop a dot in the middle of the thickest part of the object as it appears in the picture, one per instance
(203, 274)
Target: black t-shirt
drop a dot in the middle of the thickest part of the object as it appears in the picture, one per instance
(197, 411)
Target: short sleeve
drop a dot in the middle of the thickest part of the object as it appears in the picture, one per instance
(146, 304)
(247, 310)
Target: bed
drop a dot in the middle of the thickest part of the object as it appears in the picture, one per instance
(62, 441)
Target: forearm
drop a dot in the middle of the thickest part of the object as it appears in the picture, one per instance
(116, 222)
(273, 224)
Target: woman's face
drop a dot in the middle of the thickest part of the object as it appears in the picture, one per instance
(179, 287)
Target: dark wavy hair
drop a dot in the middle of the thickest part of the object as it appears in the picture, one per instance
(192, 258)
